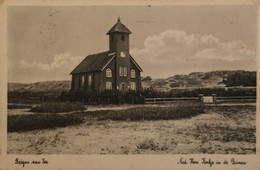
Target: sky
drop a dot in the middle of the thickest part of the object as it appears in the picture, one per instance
(47, 43)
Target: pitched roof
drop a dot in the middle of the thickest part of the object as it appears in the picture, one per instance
(135, 63)
(94, 62)
(119, 27)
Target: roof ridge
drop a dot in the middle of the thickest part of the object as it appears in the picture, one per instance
(93, 62)
(98, 53)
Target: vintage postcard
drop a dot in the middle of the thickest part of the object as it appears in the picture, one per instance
(129, 85)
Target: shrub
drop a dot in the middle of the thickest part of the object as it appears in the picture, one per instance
(104, 97)
(28, 97)
(57, 107)
(18, 106)
(244, 78)
(154, 113)
(151, 145)
(41, 121)
(148, 144)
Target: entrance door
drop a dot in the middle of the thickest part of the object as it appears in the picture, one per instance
(123, 87)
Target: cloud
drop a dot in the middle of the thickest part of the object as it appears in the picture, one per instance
(62, 61)
(58, 69)
(174, 52)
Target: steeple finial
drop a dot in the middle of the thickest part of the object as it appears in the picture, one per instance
(118, 19)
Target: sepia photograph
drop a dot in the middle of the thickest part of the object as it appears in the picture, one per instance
(132, 80)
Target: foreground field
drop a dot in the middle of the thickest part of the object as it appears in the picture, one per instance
(220, 129)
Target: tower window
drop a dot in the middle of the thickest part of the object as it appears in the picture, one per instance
(123, 71)
(122, 38)
(108, 72)
(122, 54)
(112, 38)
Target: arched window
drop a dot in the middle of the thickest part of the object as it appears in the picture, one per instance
(89, 80)
(82, 81)
(132, 73)
(108, 72)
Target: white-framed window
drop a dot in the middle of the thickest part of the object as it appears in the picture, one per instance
(122, 71)
(108, 72)
(108, 85)
(89, 80)
(82, 81)
(125, 71)
(132, 72)
(133, 86)
(122, 54)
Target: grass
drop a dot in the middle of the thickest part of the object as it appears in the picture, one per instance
(221, 130)
(58, 107)
(154, 113)
(224, 133)
(41, 121)
(235, 113)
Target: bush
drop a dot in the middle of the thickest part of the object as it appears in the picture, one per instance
(104, 97)
(18, 106)
(29, 97)
(41, 121)
(58, 107)
(154, 113)
(241, 78)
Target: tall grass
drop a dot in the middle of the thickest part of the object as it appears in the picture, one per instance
(58, 107)
(154, 113)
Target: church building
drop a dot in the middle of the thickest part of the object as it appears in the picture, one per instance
(115, 69)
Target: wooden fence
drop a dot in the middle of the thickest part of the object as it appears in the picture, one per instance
(171, 100)
(232, 99)
(237, 99)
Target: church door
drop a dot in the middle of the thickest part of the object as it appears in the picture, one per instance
(123, 87)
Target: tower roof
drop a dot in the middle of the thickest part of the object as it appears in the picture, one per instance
(119, 27)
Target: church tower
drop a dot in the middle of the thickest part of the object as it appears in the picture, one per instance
(119, 37)
(119, 43)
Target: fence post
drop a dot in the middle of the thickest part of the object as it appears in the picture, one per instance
(214, 98)
(201, 97)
